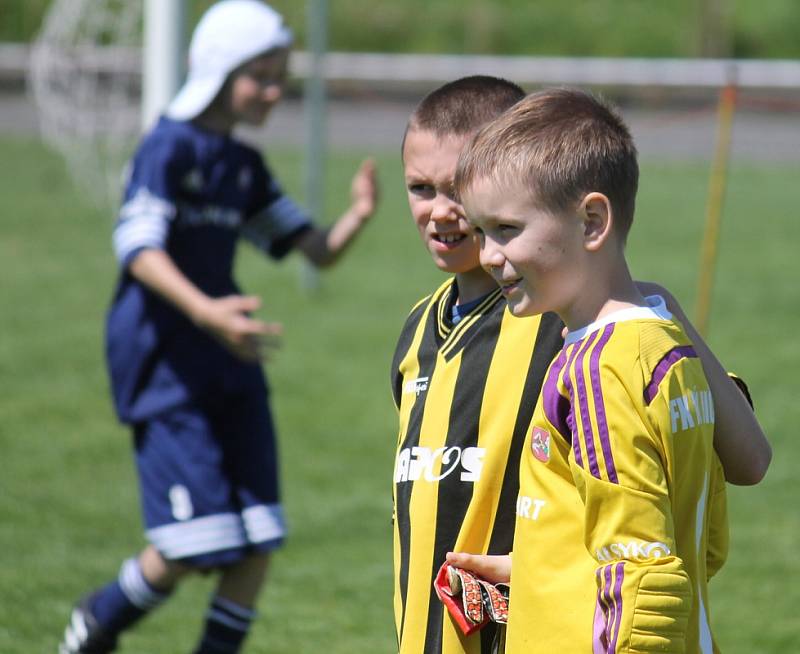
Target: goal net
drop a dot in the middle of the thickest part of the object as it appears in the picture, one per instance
(85, 79)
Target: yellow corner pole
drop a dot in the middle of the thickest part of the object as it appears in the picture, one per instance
(716, 196)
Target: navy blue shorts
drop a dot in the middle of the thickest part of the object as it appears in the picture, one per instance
(209, 481)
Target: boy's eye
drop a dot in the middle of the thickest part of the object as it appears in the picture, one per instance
(505, 229)
(266, 79)
(420, 189)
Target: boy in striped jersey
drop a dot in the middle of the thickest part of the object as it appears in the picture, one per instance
(465, 378)
(621, 509)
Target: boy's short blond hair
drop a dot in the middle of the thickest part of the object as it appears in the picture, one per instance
(460, 107)
(560, 144)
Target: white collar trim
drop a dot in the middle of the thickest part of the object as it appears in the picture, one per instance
(656, 308)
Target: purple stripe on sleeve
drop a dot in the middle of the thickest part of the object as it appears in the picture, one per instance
(567, 381)
(556, 406)
(611, 611)
(662, 368)
(620, 574)
(599, 404)
(581, 401)
(599, 626)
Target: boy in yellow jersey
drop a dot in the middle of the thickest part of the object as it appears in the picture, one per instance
(465, 378)
(621, 508)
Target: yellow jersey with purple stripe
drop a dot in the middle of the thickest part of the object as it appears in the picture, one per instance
(621, 518)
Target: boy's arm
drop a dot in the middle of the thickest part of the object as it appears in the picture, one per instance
(225, 318)
(718, 537)
(323, 246)
(738, 438)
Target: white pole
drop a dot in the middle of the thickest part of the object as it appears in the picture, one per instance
(314, 101)
(163, 55)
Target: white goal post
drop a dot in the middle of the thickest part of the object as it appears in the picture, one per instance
(163, 55)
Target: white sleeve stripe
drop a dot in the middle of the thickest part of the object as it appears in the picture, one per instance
(277, 220)
(145, 203)
(142, 231)
(285, 211)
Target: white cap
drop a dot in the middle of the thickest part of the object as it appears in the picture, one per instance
(230, 33)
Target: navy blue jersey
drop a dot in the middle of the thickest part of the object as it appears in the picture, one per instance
(192, 193)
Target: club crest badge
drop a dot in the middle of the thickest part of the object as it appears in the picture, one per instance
(540, 444)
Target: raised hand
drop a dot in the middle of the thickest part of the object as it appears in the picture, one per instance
(364, 190)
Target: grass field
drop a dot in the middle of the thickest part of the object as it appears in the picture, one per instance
(68, 499)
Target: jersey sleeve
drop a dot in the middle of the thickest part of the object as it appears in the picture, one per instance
(644, 593)
(275, 220)
(149, 202)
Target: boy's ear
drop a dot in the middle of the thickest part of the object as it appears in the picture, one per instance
(598, 219)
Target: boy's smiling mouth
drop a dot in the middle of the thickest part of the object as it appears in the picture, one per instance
(450, 239)
(508, 286)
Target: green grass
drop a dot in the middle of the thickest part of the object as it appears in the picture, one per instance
(68, 500)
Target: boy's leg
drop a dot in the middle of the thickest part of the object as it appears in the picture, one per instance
(251, 460)
(242, 582)
(232, 609)
(143, 584)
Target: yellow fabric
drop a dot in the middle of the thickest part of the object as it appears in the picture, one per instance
(462, 390)
(631, 551)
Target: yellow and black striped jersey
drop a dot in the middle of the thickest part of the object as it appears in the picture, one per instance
(621, 516)
(465, 395)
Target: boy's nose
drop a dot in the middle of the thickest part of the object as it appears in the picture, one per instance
(273, 92)
(443, 209)
(490, 256)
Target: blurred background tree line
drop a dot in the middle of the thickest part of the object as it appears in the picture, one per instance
(614, 28)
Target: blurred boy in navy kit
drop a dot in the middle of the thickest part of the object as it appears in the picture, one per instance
(182, 344)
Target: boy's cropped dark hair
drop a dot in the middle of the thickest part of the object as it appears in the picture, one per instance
(462, 106)
(560, 144)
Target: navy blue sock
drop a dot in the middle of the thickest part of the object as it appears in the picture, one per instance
(125, 600)
(227, 625)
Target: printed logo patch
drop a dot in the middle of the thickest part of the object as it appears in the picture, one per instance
(416, 386)
(540, 444)
(193, 180)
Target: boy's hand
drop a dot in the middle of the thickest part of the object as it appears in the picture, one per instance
(324, 246)
(364, 190)
(227, 320)
(495, 569)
